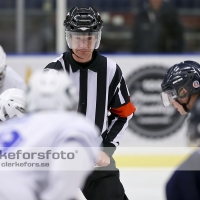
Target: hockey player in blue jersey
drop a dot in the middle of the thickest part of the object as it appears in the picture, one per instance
(184, 184)
(181, 88)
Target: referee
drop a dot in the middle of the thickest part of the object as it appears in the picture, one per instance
(103, 97)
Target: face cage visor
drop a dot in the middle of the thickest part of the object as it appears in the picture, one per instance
(86, 40)
(168, 96)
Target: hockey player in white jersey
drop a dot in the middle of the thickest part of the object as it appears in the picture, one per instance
(47, 125)
(8, 77)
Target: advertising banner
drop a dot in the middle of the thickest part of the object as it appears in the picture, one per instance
(152, 124)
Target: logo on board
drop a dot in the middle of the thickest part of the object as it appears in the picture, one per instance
(151, 118)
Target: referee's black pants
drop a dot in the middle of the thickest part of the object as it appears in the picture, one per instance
(104, 184)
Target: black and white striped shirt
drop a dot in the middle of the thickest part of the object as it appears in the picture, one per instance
(103, 94)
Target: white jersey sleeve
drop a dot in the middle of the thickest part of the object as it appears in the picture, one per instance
(12, 80)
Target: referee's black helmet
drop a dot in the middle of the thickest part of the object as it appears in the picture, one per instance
(83, 20)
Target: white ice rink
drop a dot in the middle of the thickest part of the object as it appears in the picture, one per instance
(143, 183)
(144, 171)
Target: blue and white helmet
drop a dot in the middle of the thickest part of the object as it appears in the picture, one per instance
(2, 65)
(12, 103)
(49, 90)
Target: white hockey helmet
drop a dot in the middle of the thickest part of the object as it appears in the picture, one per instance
(12, 103)
(49, 90)
(2, 65)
